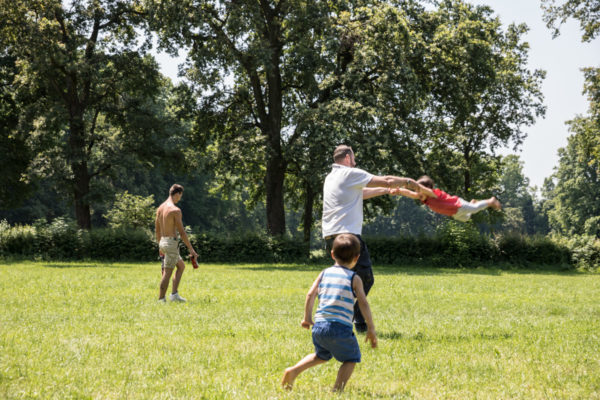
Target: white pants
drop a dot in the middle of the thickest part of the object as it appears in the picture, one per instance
(463, 214)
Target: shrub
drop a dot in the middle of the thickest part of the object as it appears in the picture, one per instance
(584, 250)
(119, 245)
(461, 244)
(58, 240)
(131, 212)
(17, 240)
(248, 248)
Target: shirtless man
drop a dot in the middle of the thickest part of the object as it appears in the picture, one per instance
(168, 223)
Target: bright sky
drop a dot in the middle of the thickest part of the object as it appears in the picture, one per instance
(561, 58)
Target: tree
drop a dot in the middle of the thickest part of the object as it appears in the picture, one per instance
(91, 85)
(573, 206)
(16, 156)
(586, 11)
(575, 200)
(482, 94)
(518, 199)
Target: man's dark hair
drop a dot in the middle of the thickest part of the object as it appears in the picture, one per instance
(175, 189)
(340, 152)
(345, 247)
(425, 181)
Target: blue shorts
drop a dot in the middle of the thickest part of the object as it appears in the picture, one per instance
(333, 339)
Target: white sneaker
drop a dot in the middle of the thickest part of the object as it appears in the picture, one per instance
(177, 297)
(163, 300)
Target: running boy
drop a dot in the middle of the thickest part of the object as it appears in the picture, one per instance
(332, 335)
(452, 206)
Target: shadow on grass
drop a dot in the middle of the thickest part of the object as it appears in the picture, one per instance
(421, 270)
(421, 337)
(279, 267)
(86, 265)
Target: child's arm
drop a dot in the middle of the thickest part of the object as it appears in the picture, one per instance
(309, 303)
(426, 191)
(406, 193)
(361, 297)
(369, 192)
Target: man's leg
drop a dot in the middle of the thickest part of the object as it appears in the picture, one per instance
(291, 373)
(177, 278)
(344, 373)
(365, 271)
(164, 282)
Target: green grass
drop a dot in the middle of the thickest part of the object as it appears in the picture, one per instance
(95, 330)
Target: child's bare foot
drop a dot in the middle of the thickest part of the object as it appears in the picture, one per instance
(495, 203)
(287, 382)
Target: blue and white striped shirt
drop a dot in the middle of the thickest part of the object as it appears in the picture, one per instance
(336, 297)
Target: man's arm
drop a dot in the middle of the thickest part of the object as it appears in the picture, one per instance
(309, 303)
(182, 233)
(361, 297)
(157, 228)
(391, 181)
(370, 192)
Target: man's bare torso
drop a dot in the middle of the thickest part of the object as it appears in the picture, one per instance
(166, 215)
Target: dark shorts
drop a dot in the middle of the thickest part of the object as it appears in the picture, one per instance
(332, 339)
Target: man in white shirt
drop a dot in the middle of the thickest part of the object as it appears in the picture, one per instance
(344, 190)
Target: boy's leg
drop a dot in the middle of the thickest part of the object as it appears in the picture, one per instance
(344, 373)
(291, 373)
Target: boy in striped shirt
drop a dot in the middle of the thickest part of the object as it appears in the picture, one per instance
(332, 335)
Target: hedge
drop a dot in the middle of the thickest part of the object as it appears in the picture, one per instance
(454, 245)
(62, 241)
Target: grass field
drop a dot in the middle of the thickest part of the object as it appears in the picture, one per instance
(95, 330)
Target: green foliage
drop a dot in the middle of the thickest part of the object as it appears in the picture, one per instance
(61, 240)
(17, 240)
(462, 244)
(518, 249)
(89, 97)
(248, 248)
(118, 245)
(130, 211)
(587, 12)
(585, 250)
(575, 198)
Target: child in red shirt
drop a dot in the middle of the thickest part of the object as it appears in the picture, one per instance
(445, 204)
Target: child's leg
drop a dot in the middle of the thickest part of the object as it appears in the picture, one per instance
(344, 373)
(291, 373)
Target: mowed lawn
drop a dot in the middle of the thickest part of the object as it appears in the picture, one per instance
(95, 330)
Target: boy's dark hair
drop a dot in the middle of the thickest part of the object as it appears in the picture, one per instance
(340, 152)
(176, 188)
(425, 181)
(345, 247)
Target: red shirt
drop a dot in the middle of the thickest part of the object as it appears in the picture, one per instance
(444, 204)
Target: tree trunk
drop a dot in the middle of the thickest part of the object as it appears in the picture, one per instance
(81, 190)
(81, 175)
(307, 218)
(274, 180)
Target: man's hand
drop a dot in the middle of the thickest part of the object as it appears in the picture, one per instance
(193, 253)
(306, 324)
(371, 337)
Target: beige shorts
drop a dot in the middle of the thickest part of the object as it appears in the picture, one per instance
(169, 246)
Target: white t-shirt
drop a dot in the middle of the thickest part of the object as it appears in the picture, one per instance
(343, 200)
